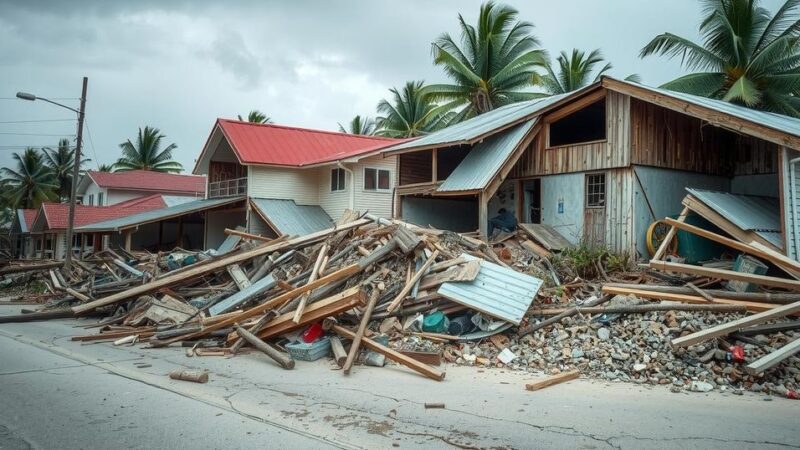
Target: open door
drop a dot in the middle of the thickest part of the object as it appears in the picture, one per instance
(594, 214)
(533, 201)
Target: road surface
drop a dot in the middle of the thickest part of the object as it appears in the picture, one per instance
(56, 393)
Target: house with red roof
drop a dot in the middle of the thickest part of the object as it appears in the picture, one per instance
(20, 233)
(109, 188)
(295, 180)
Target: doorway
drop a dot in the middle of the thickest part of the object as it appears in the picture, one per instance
(533, 201)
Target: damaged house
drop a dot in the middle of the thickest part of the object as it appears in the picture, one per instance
(603, 163)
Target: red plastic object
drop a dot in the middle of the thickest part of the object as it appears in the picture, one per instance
(737, 353)
(313, 333)
(792, 395)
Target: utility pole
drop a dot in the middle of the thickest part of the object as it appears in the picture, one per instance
(75, 173)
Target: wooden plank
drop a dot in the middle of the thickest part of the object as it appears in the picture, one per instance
(662, 249)
(213, 265)
(551, 239)
(466, 272)
(724, 224)
(239, 277)
(536, 248)
(758, 297)
(639, 309)
(257, 288)
(683, 298)
(730, 327)
(315, 312)
(773, 359)
(700, 292)
(410, 285)
(298, 313)
(726, 274)
(393, 355)
(554, 379)
(362, 327)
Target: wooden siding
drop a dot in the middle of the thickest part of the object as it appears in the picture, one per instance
(668, 139)
(619, 210)
(299, 185)
(415, 167)
(610, 153)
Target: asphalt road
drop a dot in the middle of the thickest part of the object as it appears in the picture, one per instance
(55, 393)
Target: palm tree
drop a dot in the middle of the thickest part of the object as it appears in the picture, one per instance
(411, 113)
(61, 162)
(572, 72)
(32, 182)
(105, 168)
(147, 154)
(359, 125)
(747, 56)
(256, 116)
(494, 63)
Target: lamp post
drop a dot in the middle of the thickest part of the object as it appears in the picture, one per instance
(76, 167)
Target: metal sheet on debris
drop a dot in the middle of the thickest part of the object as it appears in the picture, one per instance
(497, 291)
(268, 282)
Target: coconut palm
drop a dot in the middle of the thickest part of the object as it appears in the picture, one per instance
(573, 71)
(411, 113)
(359, 125)
(32, 182)
(493, 65)
(61, 162)
(256, 116)
(147, 153)
(105, 168)
(748, 56)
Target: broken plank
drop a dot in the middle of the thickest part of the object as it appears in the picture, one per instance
(662, 249)
(255, 289)
(467, 272)
(553, 379)
(736, 325)
(362, 327)
(645, 308)
(279, 357)
(760, 297)
(410, 285)
(773, 359)
(536, 248)
(683, 298)
(339, 354)
(316, 312)
(726, 274)
(551, 239)
(298, 313)
(393, 355)
(238, 276)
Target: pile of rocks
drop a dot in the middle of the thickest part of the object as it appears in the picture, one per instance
(636, 348)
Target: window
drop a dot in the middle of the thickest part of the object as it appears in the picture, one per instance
(337, 180)
(91, 200)
(376, 180)
(100, 199)
(585, 125)
(596, 190)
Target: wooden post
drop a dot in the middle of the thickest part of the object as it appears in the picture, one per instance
(298, 313)
(662, 249)
(128, 236)
(84, 238)
(338, 351)
(483, 216)
(362, 327)
(410, 285)
(279, 357)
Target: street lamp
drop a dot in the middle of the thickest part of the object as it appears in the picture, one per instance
(75, 170)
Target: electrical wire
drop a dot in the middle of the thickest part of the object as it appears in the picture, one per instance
(39, 120)
(37, 134)
(91, 143)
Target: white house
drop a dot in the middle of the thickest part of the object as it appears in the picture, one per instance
(295, 180)
(110, 188)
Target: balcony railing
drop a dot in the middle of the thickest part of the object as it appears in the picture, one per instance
(227, 188)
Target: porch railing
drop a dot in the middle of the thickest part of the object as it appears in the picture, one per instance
(227, 188)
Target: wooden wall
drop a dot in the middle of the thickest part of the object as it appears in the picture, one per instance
(668, 139)
(416, 167)
(613, 152)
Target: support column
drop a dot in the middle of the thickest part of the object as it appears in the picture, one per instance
(180, 231)
(84, 238)
(483, 215)
(128, 236)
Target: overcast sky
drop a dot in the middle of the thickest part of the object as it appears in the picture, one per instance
(179, 65)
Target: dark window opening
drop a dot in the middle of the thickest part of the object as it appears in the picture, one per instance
(448, 159)
(415, 168)
(375, 179)
(585, 125)
(596, 190)
(337, 180)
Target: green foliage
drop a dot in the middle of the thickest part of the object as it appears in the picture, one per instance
(410, 113)
(359, 125)
(256, 116)
(747, 57)
(31, 183)
(61, 162)
(495, 61)
(572, 72)
(583, 259)
(147, 154)
(105, 168)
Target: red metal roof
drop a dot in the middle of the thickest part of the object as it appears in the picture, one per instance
(146, 180)
(57, 214)
(290, 146)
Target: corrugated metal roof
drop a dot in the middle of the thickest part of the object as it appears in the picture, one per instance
(468, 130)
(485, 159)
(290, 218)
(134, 220)
(497, 291)
(175, 200)
(290, 146)
(748, 212)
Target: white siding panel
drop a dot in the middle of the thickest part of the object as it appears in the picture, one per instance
(791, 202)
(376, 202)
(334, 203)
(299, 185)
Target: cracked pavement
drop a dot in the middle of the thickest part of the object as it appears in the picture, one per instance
(64, 394)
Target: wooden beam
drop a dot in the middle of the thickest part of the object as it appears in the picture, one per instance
(298, 313)
(213, 265)
(730, 327)
(773, 359)
(554, 379)
(572, 107)
(644, 308)
(395, 356)
(723, 223)
(410, 285)
(662, 249)
(762, 280)
(684, 298)
(758, 297)
(278, 356)
(362, 327)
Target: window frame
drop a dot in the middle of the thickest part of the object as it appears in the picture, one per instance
(548, 123)
(377, 177)
(341, 180)
(100, 198)
(600, 193)
(91, 200)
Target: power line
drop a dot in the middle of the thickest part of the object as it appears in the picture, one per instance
(38, 121)
(49, 98)
(37, 134)
(91, 143)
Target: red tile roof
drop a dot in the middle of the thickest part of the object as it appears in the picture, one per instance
(146, 180)
(57, 214)
(29, 215)
(290, 146)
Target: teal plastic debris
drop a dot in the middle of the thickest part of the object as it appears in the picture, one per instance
(435, 323)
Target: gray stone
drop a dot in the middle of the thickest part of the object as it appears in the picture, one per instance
(603, 333)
